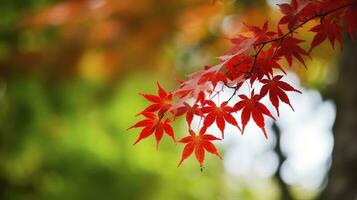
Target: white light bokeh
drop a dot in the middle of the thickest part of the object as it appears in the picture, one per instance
(307, 138)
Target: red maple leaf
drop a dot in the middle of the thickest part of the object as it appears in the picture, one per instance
(238, 66)
(241, 44)
(322, 6)
(194, 87)
(265, 63)
(350, 17)
(261, 34)
(153, 124)
(160, 102)
(288, 47)
(252, 107)
(293, 12)
(190, 111)
(214, 78)
(276, 89)
(329, 28)
(221, 115)
(198, 143)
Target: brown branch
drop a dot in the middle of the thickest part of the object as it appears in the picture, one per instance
(234, 93)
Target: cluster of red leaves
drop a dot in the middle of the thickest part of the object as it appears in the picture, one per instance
(251, 59)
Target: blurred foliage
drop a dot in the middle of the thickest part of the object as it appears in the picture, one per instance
(70, 72)
(68, 142)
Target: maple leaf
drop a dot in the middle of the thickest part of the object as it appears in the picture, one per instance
(276, 89)
(161, 102)
(288, 47)
(293, 12)
(154, 124)
(329, 28)
(266, 61)
(350, 17)
(193, 87)
(214, 78)
(198, 143)
(252, 107)
(261, 34)
(239, 65)
(241, 44)
(221, 115)
(190, 111)
(326, 5)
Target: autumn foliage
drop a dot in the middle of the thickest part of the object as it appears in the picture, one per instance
(255, 57)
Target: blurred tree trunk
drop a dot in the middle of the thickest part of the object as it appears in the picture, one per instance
(342, 179)
(284, 189)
